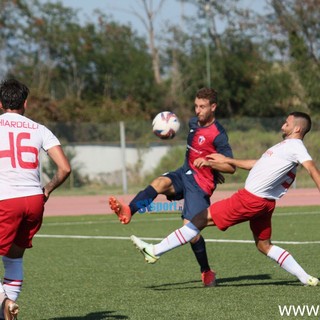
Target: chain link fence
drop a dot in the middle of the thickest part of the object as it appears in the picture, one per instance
(97, 158)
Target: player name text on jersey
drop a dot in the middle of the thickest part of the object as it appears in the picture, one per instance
(18, 124)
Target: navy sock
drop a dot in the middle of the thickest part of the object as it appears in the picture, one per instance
(143, 199)
(199, 249)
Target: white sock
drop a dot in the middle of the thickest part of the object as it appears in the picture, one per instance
(288, 263)
(13, 277)
(176, 239)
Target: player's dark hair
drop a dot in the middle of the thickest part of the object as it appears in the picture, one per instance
(307, 120)
(209, 94)
(13, 94)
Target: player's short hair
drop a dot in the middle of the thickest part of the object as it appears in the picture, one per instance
(13, 94)
(209, 94)
(305, 121)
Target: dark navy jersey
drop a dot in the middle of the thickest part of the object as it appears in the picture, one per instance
(201, 142)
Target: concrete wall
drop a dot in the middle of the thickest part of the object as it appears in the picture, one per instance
(104, 163)
(96, 160)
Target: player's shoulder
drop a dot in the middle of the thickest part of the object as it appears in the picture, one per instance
(193, 122)
(293, 143)
(219, 126)
(298, 146)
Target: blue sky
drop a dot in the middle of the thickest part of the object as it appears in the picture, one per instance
(172, 10)
(120, 10)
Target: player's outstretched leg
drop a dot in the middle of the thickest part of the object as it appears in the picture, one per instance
(146, 249)
(120, 209)
(10, 309)
(288, 263)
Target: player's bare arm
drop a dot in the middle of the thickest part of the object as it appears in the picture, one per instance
(218, 166)
(314, 172)
(218, 159)
(63, 169)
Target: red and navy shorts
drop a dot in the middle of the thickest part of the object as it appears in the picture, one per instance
(20, 219)
(186, 187)
(244, 206)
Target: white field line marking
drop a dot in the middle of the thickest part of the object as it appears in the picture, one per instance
(58, 236)
(52, 224)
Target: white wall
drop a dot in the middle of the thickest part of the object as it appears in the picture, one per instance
(94, 160)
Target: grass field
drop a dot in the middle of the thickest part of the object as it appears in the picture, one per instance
(86, 267)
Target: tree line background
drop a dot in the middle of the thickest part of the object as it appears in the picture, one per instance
(87, 75)
(101, 71)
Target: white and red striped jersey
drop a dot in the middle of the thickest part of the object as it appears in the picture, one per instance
(21, 140)
(275, 171)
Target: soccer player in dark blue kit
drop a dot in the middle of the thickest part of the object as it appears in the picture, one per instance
(195, 181)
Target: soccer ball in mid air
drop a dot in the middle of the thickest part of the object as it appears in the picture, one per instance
(165, 125)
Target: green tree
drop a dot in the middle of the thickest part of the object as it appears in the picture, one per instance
(295, 36)
(99, 64)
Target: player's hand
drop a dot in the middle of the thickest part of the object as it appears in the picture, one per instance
(45, 194)
(201, 162)
(216, 158)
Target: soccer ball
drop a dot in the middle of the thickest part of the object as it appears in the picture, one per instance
(165, 125)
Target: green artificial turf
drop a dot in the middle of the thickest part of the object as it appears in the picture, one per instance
(85, 267)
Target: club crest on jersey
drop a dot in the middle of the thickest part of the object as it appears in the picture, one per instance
(201, 140)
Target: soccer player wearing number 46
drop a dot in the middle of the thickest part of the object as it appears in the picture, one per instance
(22, 198)
(268, 180)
